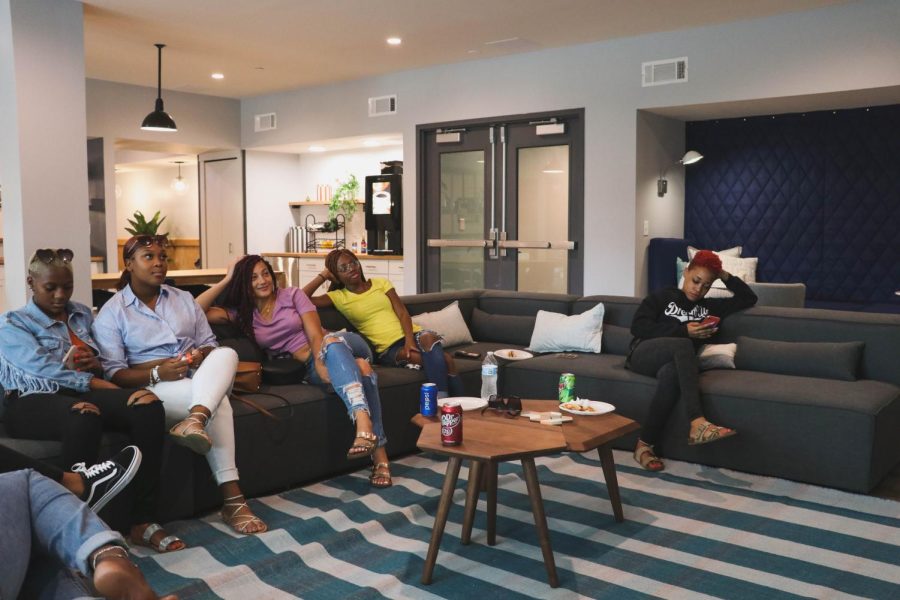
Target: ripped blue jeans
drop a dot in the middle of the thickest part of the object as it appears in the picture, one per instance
(432, 362)
(358, 391)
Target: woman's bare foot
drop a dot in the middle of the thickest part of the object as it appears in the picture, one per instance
(158, 540)
(237, 514)
(116, 577)
(704, 432)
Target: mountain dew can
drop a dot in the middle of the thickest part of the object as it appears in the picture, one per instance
(566, 388)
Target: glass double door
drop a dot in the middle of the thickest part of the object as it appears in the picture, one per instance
(503, 204)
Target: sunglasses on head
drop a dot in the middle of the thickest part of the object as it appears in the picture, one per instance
(48, 255)
(350, 266)
(145, 240)
(511, 406)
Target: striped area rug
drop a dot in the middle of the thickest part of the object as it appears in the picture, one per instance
(690, 532)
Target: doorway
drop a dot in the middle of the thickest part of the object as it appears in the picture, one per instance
(502, 203)
(222, 211)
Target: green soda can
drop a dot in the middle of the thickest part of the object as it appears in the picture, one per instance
(566, 388)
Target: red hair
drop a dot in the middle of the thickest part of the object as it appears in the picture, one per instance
(708, 260)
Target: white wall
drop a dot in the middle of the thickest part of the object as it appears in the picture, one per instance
(846, 47)
(150, 191)
(274, 179)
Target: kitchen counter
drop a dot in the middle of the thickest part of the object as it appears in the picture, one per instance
(322, 255)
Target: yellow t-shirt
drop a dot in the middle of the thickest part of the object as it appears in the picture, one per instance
(371, 313)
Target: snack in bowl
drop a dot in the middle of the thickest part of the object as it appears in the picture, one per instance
(579, 406)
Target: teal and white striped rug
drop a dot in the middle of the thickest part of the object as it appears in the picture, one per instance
(690, 532)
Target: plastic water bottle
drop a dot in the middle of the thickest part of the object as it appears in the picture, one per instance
(489, 373)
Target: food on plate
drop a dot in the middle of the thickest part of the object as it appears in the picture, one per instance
(579, 406)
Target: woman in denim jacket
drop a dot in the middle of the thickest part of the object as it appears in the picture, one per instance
(50, 368)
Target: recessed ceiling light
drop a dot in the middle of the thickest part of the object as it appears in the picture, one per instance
(218, 76)
(394, 41)
(317, 148)
(371, 143)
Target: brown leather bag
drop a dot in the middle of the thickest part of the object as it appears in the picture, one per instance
(248, 377)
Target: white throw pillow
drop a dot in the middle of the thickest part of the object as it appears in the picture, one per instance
(735, 251)
(745, 268)
(448, 322)
(716, 356)
(556, 332)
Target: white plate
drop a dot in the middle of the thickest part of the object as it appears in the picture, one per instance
(512, 354)
(600, 408)
(466, 402)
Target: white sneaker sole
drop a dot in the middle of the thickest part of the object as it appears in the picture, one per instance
(130, 472)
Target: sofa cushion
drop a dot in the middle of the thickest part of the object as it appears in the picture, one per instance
(505, 329)
(716, 356)
(616, 340)
(448, 322)
(829, 360)
(554, 332)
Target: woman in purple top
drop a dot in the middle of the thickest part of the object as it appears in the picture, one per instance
(284, 321)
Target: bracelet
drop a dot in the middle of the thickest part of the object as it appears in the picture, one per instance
(122, 553)
(154, 376)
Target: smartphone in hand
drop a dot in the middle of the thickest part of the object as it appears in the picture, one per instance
(711, 321)
(69, 359)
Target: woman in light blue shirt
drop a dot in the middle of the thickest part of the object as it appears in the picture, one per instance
(51, 397)
(155, 335)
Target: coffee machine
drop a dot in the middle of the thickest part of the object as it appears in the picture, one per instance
(384, 210)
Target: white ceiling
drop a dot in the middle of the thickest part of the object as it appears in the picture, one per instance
(266, 46)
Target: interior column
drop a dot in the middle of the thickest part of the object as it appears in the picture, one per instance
(43, 148)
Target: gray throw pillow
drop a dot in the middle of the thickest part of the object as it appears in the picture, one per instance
(828, 360)
(503, 329)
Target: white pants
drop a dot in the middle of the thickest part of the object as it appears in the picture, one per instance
(208, 387)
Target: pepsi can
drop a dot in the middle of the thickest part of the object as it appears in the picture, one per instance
(428, 399)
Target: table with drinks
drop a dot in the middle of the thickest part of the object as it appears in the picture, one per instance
(487, 437)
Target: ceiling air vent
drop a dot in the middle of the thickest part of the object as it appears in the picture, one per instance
(663, 72)
(380, 106)
(264, 122)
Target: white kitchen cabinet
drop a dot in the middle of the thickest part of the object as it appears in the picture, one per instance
(2, 288)
(309, 268)
(395, 274)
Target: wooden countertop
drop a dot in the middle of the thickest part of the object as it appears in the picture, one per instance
(104, 281)
(324, 254)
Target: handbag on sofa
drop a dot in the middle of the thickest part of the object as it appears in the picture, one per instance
(248, 377)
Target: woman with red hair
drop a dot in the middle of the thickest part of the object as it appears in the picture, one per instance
(668, 328)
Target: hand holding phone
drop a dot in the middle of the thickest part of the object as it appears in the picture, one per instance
(711, 321)
(69, 359)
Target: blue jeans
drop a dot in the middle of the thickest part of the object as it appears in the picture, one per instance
(432, 361)
(358, 392)
(36, 509)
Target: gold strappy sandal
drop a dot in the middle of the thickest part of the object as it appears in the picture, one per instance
(238, 522)
(190, 432)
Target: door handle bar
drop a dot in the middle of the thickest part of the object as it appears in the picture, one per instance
(460, 243)
(546, 245)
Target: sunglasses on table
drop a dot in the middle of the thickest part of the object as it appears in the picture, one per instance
(48, 255)
(145, 240)
(511, 406)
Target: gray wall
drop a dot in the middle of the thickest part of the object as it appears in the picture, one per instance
(846, 47)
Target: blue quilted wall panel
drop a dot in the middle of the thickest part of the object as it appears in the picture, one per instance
(815, 196)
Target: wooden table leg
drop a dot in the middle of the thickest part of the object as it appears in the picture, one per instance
(440, 519)
(491, 479)
(540, 520)
(612, 483)
(472, 491)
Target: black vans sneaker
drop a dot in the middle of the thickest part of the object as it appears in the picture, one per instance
(104, 480)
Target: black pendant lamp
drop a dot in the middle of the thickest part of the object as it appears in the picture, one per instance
(159, 119)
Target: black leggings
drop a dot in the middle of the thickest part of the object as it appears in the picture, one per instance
(50, 417)
(10, 460)
(673, 361)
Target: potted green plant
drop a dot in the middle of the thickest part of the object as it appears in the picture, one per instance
(344, 200)
(141, 226)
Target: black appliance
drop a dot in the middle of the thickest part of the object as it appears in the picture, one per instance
(384, 210)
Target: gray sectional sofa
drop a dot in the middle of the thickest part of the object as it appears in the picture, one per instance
(838, 433)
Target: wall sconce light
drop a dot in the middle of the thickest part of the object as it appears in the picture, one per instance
(159, 119)
(179, 184)
(689, 158)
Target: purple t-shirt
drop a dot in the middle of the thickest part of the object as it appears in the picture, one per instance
(284, 332)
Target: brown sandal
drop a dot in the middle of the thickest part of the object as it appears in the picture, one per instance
(191, 433)
(707, 432)
(647, 458)
(363, 446)
(381, 476)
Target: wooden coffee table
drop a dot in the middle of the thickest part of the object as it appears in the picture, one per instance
(493, 437)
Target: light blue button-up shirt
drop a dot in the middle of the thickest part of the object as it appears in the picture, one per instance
(32, 348)
(129, 333)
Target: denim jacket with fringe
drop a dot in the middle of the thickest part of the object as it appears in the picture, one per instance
(32, 347)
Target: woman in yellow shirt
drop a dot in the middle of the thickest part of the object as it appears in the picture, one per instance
(373, 307)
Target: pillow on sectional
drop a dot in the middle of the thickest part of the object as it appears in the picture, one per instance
(448, 322)
(828, 360)
(735, 251)
(616, 339)
(556, 332)
(716, 356)
(503, 329)
(745, 268)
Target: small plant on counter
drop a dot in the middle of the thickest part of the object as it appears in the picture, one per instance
(141, 226)
(344, 199)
